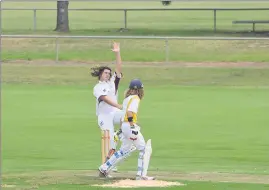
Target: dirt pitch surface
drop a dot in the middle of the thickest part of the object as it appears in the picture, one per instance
(126, 178)
(127, 183)
(147, 64)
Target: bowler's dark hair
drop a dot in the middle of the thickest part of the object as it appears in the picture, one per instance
(98, 71)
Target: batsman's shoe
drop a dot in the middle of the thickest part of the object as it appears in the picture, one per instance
(146, 178)
(103, 173)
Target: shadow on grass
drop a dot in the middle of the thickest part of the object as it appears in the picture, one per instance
(145, 32)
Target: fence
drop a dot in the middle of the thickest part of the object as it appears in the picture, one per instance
(165, 39)
(214, 11)
(132, 0)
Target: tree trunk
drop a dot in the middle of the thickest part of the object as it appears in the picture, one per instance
(62, 16)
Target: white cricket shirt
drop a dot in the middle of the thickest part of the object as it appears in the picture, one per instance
(110, 89)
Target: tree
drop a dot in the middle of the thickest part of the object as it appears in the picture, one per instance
(62, 16)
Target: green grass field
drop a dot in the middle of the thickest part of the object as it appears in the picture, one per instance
(211, 120)
(138, 50)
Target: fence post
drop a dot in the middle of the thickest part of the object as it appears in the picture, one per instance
(34, 19)
(215, 20)
(125, 18)
(166, 51)
(57, 50)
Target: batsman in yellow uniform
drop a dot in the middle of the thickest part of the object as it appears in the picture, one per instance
(132, 136)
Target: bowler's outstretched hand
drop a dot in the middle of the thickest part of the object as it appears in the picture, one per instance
(116, 47)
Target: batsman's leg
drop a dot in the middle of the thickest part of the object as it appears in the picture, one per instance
(115, 143)
(116, 158)
(122, 158)
(143, 158)
(104, 168)
(117, 137)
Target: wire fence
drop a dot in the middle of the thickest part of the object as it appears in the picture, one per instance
(135, 48)
(195, 19)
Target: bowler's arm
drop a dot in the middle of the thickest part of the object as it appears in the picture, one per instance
(116, 49)
(109, 101)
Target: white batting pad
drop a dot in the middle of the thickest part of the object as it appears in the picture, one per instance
(121, 158)
(146, 158)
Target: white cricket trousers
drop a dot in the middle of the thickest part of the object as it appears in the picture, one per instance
(107, 122)
(139, 143)
(127, 142)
